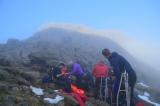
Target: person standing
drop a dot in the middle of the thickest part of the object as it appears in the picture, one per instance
(120, 65)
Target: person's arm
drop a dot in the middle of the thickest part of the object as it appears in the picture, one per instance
(59, 75)
(56, 73)
(110, 71)
(115, 66)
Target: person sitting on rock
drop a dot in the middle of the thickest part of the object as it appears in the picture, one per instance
(77, 71)
(61, 77)
(49, 78)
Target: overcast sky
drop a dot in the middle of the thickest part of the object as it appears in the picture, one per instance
(137, 18)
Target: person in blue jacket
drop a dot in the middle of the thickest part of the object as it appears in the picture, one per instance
(119, 65)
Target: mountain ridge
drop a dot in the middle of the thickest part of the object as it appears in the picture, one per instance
(61, 44)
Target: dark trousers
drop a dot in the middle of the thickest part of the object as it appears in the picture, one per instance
(64, 84)
(115, 88)
(131, 81)
(79, 81)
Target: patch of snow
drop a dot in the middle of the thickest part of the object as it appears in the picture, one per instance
(142, 84)
(145, 98)
(54, 101)
(37, 91)
(55, 91)
(146, 94)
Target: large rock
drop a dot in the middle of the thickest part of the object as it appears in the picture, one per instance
(8, 100)
(70, 101)
(4, 86)
(31, 76)
(4, 62)
(4, 75)
(22, 81)
(93, 102)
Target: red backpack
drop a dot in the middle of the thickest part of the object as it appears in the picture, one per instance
(100, 70)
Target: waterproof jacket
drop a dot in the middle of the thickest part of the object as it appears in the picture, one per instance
(120, 64)
(100, 70)
(57, 71)
(77, 70)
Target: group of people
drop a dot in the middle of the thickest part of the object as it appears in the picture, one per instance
(65, 77)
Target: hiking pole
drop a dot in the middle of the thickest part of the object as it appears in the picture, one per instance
(112, 97)
(106, 89)
(100, 90)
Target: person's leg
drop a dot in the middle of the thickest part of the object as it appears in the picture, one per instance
(79, 81)
(132, 82)
(67, 85)
(115, 89)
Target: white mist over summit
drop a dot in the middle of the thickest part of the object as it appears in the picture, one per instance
(145, 51)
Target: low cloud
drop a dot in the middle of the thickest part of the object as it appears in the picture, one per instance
(146, 51)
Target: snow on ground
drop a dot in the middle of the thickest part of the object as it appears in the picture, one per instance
(37, 91)
(54, 101)
(142, 84)
(146, 94)
(146, 98)
(56, 91)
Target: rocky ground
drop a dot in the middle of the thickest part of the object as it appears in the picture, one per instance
(16, 80)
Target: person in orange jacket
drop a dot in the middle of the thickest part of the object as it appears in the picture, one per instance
(100, 72)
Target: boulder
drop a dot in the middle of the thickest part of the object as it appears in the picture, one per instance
(8, 100)
(23, 104)
(4, 62)
(4, 75)
(22, 81)
(30, 76)
(70, 101)
(15, 89)
(96, 102)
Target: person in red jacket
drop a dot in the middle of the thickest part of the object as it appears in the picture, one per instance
(100, 72)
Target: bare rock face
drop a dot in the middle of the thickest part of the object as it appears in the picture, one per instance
(13, 41)
(4, 62)
(4, 75)
(54, 45)
(8, 100)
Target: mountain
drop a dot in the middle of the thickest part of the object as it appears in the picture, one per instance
(24, 63)
(60, 44)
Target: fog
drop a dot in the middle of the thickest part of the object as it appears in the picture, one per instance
(146, 51)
